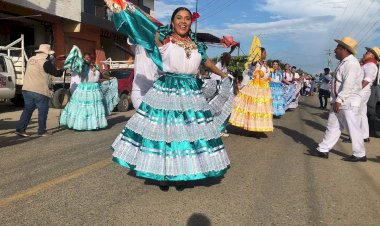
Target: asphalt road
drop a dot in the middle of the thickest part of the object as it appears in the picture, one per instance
(68, 179)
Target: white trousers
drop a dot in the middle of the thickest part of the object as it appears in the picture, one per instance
(365, 94)
(346, 118)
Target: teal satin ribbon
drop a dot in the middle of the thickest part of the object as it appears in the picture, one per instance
(142, 31)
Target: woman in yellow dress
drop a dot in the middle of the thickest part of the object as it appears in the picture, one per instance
(253, 105)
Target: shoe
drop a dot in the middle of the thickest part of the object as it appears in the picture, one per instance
(324, 155)
(180, 187)
(353, 158)
(164, 187)
(23, 133)
(225, 135)
(348, 140)
(46, 133)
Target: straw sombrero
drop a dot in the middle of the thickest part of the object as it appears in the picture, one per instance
(44, 48)
(375, 50)
(349, 44)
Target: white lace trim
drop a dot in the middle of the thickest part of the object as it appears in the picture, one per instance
(168, 133)
(174, 91)
(174, 121)
(170, 165)
(160, 100)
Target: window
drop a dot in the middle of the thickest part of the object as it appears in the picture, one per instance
(3, 66)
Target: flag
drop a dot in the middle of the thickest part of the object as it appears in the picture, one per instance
(74, 61)
(254, 52)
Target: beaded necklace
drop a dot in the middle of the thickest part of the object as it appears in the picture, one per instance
(186, 43)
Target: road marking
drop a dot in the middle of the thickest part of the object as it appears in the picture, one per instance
(41, 187)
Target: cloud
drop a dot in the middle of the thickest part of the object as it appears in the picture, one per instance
(164, 10)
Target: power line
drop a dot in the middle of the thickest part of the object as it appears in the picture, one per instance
(362, 16)
(344, 11)
(348, 19)
(207, 4)
(365, 38)
(220, 9)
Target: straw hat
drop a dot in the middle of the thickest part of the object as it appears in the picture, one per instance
(45, 48)
(349, 44)
(375, 50)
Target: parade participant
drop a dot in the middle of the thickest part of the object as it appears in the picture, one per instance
(253, 105)
(222, 65)
(109, 88)
(370, 71)
(146, 72)
(35, 90)
(172, 136)
(76, 78)
(312, 86)
(277, 90)
(346, 103)
(324, 88)
(288, 86)
(297, 87)
(86, 108)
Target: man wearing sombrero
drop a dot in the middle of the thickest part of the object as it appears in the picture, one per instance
(369, 70)
(346, 88)
(36, 90)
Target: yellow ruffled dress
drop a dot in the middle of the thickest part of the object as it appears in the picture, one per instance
(253, 110)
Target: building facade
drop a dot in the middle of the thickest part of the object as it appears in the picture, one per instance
(64, 23)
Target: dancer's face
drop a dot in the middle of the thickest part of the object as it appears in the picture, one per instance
(182, 23)
(275, 65)
(87, 59)
(263, 55)
(368, 56)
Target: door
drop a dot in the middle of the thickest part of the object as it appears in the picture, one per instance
(7, 78)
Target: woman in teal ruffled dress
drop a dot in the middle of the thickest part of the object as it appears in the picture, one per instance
(86, 109)
(172, 136)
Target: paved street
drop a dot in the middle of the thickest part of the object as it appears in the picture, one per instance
(69, 179)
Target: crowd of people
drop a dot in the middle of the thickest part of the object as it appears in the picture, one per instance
(181, 114)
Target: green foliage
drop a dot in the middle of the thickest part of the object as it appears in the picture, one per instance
(236, 66)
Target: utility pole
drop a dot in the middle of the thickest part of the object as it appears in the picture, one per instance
(329, 60)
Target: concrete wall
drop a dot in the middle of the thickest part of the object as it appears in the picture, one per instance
(149, 4)
(69, 9)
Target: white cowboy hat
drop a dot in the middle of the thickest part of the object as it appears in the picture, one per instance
(349, 44)
(45, 48)
(375, 50)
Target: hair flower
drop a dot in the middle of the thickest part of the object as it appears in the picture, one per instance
(195, 16)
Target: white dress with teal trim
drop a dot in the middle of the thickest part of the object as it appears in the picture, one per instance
(277, 93)
(173, 136)
(86, 108)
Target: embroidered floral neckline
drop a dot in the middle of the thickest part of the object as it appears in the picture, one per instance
(186, 43)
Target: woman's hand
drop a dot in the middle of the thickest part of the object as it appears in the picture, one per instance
(211, 66)
(157, 39)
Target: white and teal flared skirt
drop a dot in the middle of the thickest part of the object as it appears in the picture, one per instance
(111, 95)
(172, 136)
(278, 98)
(288, 94)
(220, 96)
(85, 110)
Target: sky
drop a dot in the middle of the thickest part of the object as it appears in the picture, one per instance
(299, 32)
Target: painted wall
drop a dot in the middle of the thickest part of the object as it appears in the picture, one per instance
(149, 4)
(69, 9)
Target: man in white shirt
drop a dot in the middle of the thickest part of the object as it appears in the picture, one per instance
(346, 104)
(324, 89)
(369, 72)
